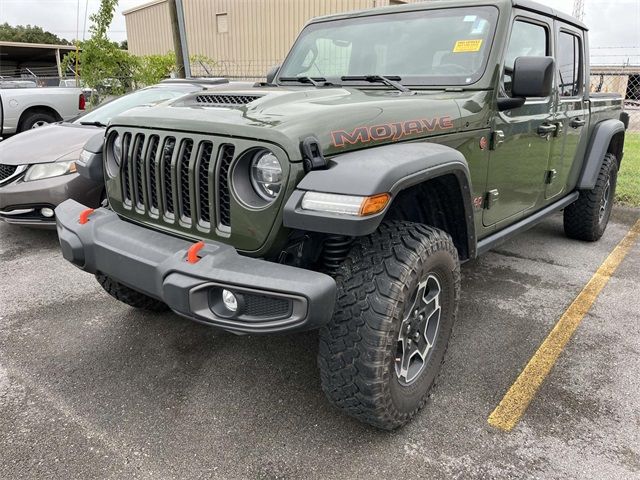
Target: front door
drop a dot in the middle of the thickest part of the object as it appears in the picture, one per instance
(522, 137)
(572, 112)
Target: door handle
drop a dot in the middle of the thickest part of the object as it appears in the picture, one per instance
(578, 122)
(547, 129)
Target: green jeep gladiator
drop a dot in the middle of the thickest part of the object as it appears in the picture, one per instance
(344, 192)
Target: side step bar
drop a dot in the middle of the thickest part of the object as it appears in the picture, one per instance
(494, 240)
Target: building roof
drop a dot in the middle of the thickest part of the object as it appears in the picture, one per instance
(4, 44)
(143, 6)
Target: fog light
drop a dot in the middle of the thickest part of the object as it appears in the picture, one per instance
(47, 212)
(230, 301)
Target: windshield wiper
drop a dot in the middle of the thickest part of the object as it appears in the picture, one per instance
(318, 82)
(389, 81)
(94, 124)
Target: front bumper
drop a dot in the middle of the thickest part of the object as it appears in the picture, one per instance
(273, 298)
(20, 202)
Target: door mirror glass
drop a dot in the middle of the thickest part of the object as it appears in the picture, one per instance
(533, 77)
(271, 74)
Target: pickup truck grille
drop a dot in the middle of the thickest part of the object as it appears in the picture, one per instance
(6, 171)
(171, 178)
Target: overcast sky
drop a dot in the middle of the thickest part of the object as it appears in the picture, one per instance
(613, 23)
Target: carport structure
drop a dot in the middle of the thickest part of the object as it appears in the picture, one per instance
(37, 61)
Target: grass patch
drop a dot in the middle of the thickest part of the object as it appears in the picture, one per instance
(628, 190)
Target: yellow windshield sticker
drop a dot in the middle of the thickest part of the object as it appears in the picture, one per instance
(463, 46)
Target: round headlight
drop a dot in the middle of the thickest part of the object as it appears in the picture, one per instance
(116, 146)
(266, 175)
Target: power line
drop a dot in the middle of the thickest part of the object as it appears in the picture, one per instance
(578, 9)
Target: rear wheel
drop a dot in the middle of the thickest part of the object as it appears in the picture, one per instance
(130, 296)
(35, 120)
(398, 294)
(588, 217)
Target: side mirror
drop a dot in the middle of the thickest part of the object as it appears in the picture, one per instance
(271, 74)
(533, 77)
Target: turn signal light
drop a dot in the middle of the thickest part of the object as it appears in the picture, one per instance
(375, 204)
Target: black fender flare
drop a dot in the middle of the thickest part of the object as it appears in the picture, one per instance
(601, 138)
(386, 169)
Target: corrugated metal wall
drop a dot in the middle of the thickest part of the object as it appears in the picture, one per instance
(259, 34)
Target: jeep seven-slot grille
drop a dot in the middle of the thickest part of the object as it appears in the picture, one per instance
(171, 178)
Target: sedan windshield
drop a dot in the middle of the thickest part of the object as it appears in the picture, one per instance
(429, 47)
(147, 96)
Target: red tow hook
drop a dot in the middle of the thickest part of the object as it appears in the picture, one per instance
(192, 253)
(84, 216)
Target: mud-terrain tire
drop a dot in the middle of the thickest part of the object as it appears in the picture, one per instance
(34, 120)
(130, 296)
(361, 353)
(588, 217)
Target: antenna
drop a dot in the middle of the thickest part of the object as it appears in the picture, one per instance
(578, 9)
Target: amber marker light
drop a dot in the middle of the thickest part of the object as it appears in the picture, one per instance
(375, 204)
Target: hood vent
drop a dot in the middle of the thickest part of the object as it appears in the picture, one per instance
(225, 99)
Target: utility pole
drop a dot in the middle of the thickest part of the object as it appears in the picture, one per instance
(176, 15)
(578, 9)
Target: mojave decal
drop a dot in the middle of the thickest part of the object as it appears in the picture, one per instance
(390, 131)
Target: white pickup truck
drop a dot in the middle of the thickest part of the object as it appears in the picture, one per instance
(25, 108)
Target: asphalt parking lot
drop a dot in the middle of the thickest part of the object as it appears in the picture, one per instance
(90, 388)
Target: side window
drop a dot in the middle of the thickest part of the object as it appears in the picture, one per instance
(527, 40)
(569, 64)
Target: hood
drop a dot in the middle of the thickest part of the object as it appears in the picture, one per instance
(46, 144)
(342, 119)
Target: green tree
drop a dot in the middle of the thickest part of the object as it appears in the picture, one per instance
(102, 64)
(29, 34)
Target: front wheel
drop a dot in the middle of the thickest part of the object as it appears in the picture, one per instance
(398, 293)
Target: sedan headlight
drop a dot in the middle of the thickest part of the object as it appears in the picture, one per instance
(48, 170)
(266, 175)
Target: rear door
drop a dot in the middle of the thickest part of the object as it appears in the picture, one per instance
(573, 110)
(522, 137)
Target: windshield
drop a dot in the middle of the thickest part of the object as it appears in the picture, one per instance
(148, 96)
(430, 47)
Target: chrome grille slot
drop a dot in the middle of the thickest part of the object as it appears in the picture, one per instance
(223, 200)
(166, 162)
(138, 170)
(152, 168)
(126, 169)
(204, 189)
(184, 159)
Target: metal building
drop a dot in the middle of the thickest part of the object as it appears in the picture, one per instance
(244, 37)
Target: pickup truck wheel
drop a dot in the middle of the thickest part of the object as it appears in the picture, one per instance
(35, 120)
(129, 296)
(398, 292)
(588, 217)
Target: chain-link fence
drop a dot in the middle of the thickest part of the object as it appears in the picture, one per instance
(251, 70)
(624, 80)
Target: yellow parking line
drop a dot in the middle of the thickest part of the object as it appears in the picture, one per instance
(514, 404)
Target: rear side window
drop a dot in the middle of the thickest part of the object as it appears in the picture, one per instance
(569, 64)
(527, 40)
